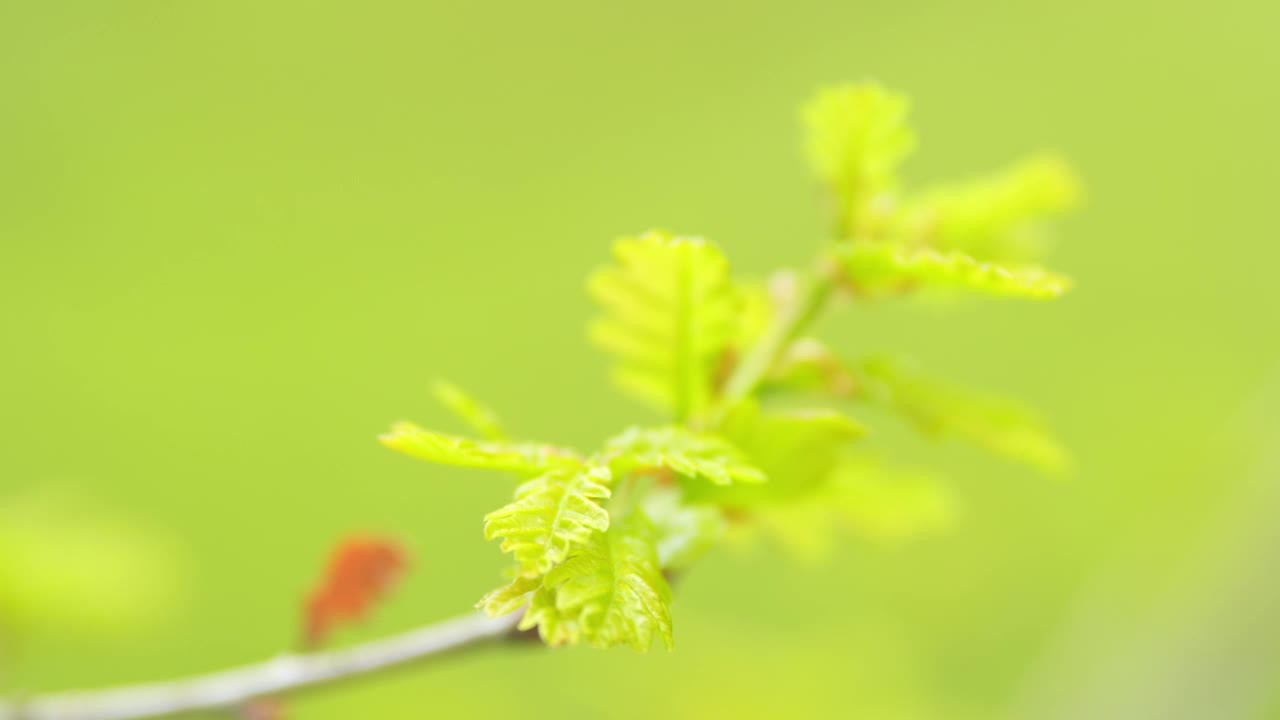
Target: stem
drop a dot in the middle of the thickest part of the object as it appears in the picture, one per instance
(791, 322)
(287, 673)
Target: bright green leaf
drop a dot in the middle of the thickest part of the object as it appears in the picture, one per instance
(995, 219)
(550, 515)
(877, 501)
(522, 458)
(475, 414)
(510, 597)
(610, 592)
(669, 312)
(998, 424)
(682, 451)
(879, 269)
(857, 138)
(796, 450)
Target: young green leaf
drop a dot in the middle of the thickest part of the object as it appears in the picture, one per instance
(996, 219)
(475, 414)
(522, 458)
(998, 424)
(796, 450)
(879, 269)
(550, 515)
(682, 451)
(857, 137)
(668, 314)
(610, 592)
(683, 532)
(510, 597)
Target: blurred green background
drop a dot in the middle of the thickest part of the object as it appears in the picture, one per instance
(237, 239)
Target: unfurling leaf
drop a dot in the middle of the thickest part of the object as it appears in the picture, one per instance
(669, 311)
(522, 458)
(550, 515)
(610, 592)
(857, 137)
(997, 424)
(682, 451)
(475, 414)
(994, 219)
(360, 572)
(879, 269)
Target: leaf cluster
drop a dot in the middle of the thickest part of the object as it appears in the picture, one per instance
(758, 428)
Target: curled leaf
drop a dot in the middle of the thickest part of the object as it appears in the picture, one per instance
(610, 592)
(550, 515)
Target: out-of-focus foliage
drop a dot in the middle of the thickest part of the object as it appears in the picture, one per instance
(796, 449)
(858, 138)
(936, 408)
(470, 411)
(982, 236)
(867, 496)
(997, 218)
(67, 567)
(999, 424)
(882, 269)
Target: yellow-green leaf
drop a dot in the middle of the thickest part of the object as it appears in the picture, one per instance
(682, 451)
(880, 269)
(509, 597)
(522, 458)
(998, 218)
(550, 515)
(669, 311)
(796, 450)
(475, 414)
(998, 424)
(857, 138)
(610, 592)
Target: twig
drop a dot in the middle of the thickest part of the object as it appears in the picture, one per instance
(792, 320)
(284, 674)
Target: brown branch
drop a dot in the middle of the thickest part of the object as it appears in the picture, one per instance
(282, 675)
